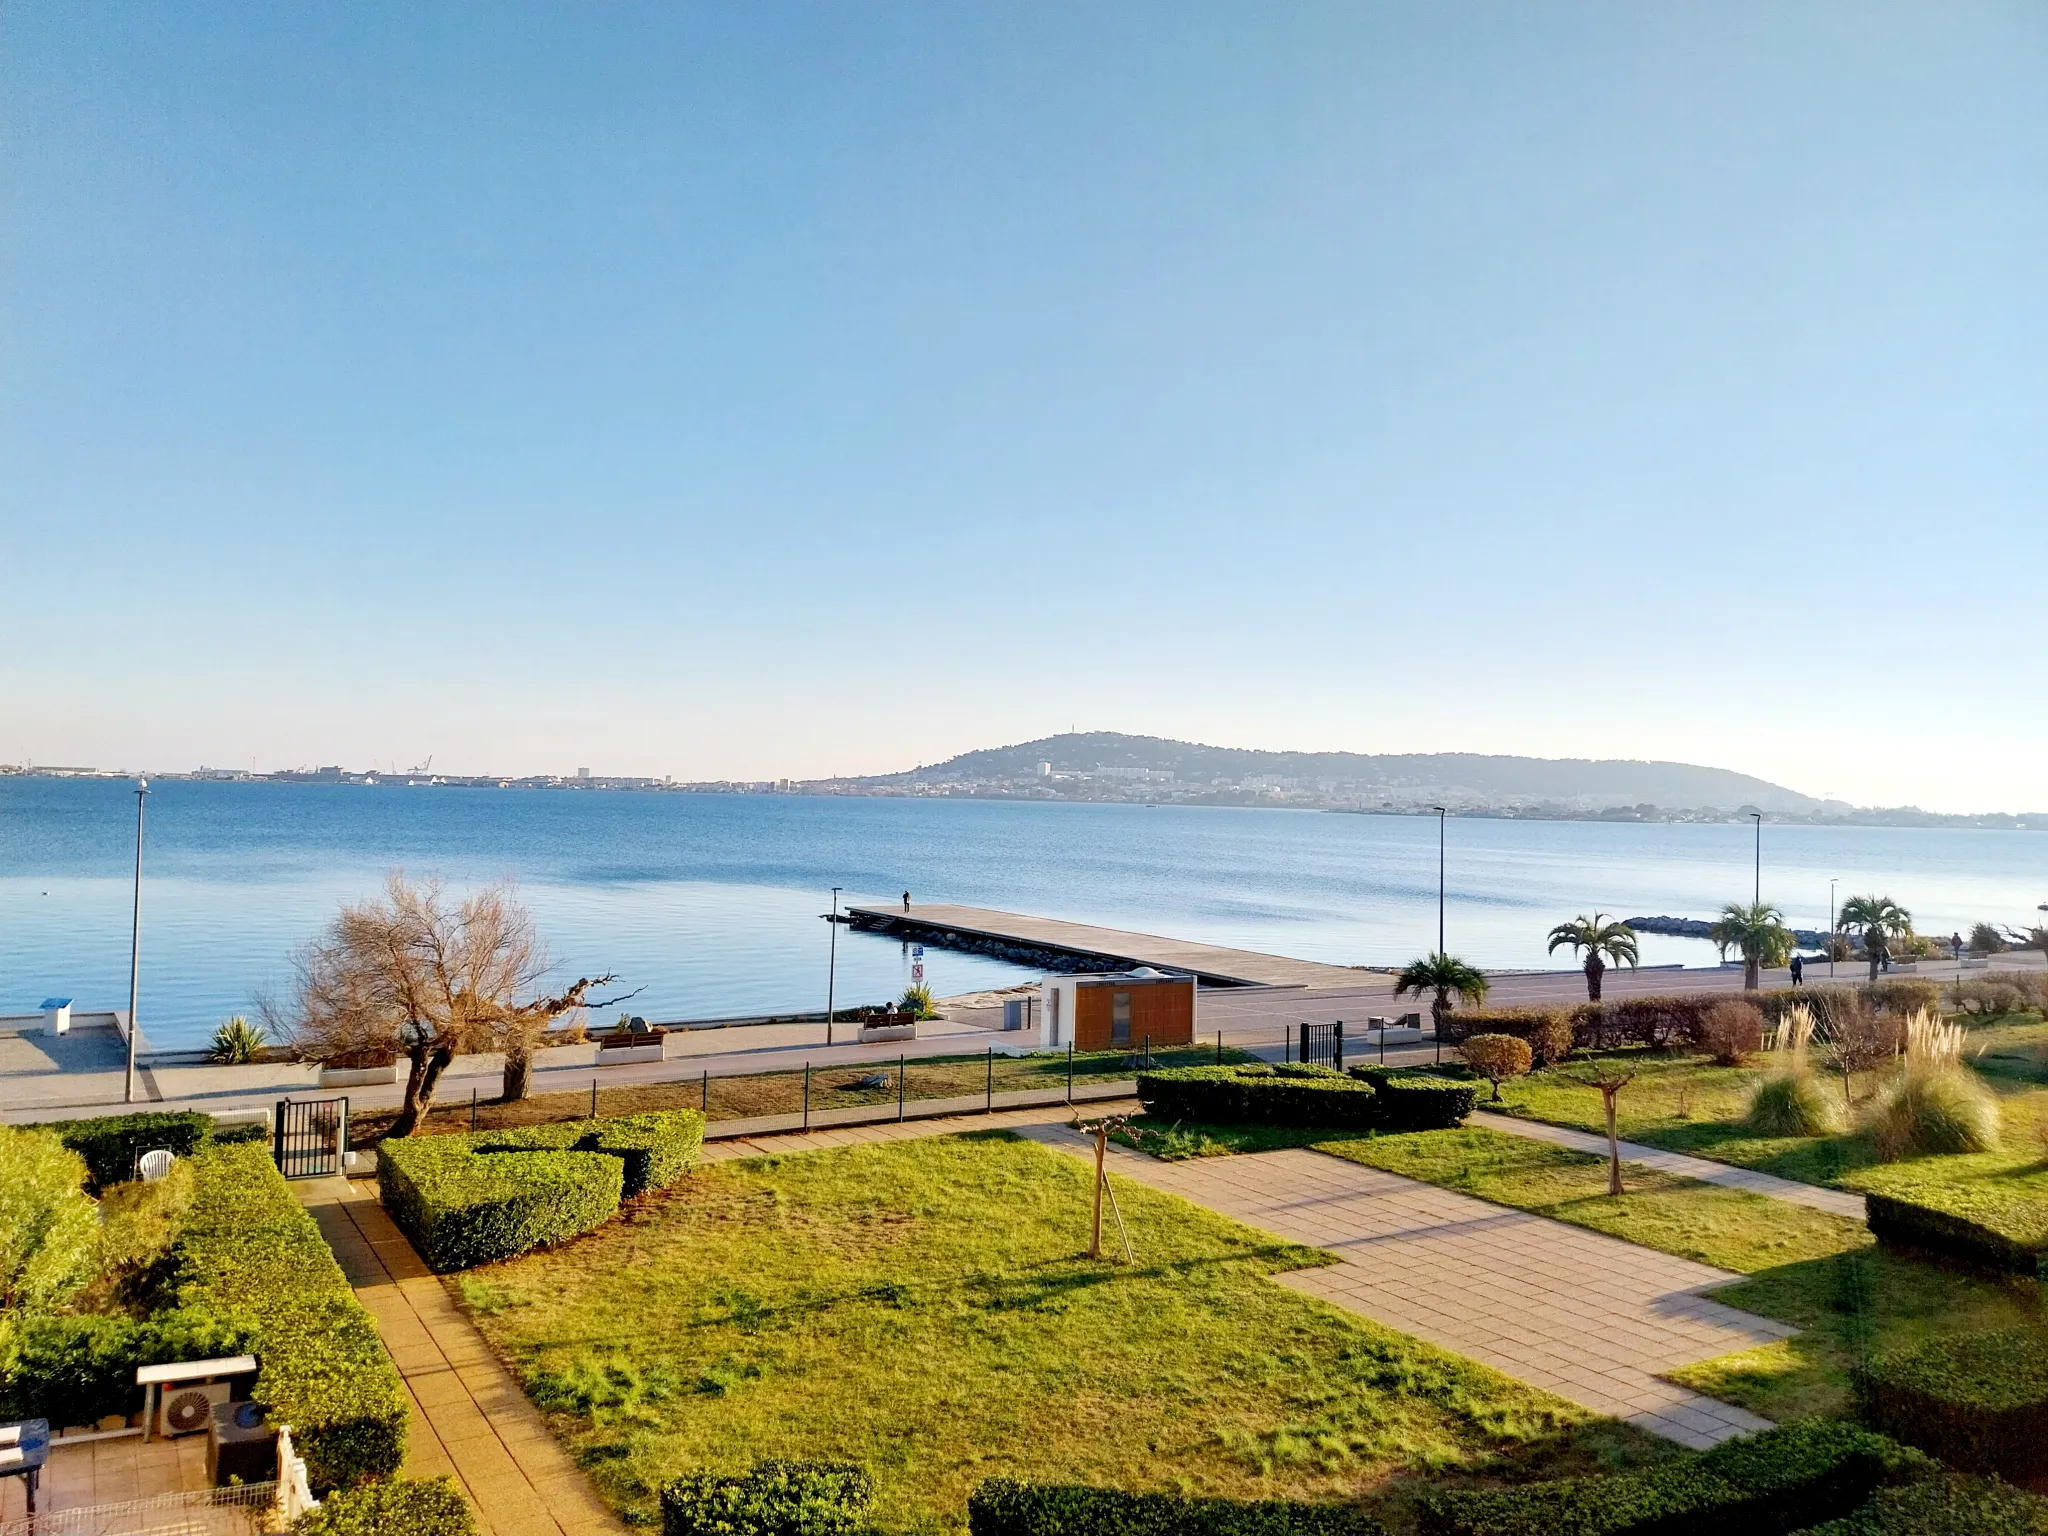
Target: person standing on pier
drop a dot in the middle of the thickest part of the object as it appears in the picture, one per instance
(906, 901)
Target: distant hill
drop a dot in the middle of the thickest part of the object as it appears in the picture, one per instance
(1065, 764)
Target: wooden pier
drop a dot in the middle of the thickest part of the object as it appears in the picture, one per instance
(1058, 945)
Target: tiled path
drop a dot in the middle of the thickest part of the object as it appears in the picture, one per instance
(469, 1417)
(1586, 1316)
(112, 1471)
(1836, 1202)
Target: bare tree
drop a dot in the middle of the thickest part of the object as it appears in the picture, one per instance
(1610, 1079)
(409, 973)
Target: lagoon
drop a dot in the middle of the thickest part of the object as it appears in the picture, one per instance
(709, 904)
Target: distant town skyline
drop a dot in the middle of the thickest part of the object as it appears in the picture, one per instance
(789, 390)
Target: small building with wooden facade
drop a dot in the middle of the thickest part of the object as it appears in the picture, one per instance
(1119, 1011)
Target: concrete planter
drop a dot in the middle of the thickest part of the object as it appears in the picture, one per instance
(871, 1033)
(620, 1055)
(362, 1077)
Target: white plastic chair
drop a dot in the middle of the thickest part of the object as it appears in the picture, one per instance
(155, 1165)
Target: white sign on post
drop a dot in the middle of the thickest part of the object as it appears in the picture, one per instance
(916, 964)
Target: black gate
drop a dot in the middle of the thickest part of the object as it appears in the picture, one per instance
(1322, 1045)
(311, 1136)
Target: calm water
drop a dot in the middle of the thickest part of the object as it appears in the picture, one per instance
(710, 903)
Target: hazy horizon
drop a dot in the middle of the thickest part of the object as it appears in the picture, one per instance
(750, 391)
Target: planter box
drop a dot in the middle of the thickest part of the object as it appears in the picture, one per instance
(620, 1055)
(361, 1077)
(870, 1033)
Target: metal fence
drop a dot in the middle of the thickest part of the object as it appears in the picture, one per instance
(251, 1509)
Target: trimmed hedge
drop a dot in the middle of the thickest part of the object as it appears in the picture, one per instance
(75, 1370)
(398, 1507)
(250, 1249)
(1761, 1485)
(1994, 1224)
(470, 1199)
(1548, 1032)
(111, 1146)
(1003, 1507)
(1226, 1096)
(656, 1148)
(1945, 1506)
(1415, 1099)
(1665, 1021)
(776, 1498)
(1979, 1401)
(462, 1208)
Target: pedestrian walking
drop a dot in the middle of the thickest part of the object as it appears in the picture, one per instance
(1956, 943)
(1798, 969)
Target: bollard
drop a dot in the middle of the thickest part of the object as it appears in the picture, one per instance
(705, 1103)
(593, 1098)
(1219, 1047)
(989, 1105)
(807, 1095)
(899, 1087)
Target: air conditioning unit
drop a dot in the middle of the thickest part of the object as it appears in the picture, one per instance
(188, 1407)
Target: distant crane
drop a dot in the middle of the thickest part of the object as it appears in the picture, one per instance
(426, 767)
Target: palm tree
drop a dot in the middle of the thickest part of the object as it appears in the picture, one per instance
(1602, 941)
(1443, 975)
(1877, 918)
(1755, 931)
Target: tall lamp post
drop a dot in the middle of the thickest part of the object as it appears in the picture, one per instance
(135, 945)
(1831, 928)
(1757, 895)
(832, 964)
(1439, 877)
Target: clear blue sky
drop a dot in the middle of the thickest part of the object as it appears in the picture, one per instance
(751, 389)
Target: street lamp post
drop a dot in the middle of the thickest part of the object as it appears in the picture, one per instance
(1439, 877)
(135, 946)
(832, 965)
(1831, 929)
(1757, 894)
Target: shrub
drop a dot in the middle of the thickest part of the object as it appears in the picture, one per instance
(657, 1148)
(393, 1507)
(1497, 1058)
(1773, 1482)
(1731, 1031)
(470, 1199)
(776, 1498)
(1903, 995)
(1945, 1506)
(917, 1001)
(1413, 1099)
(1793, 1104)
(1978, 1401)
(138, 1223)
(1226, 1096)
(235, 1043)
(1002, 1507)
(250, 1249)
(462, 1207)
(1946, 1111)
(1548, 1031)
(1986, 940)
(1999, 1224)
(111, 1146)
(1993, 999)
(49, 1227)
(80, 1369)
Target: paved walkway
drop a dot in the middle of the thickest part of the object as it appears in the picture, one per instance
(469, 1417)
(113, 1471)
(1836, 1202)
(1589, 1317)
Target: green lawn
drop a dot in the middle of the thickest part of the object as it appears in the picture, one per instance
(926, 1308)
(1687, 1104)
